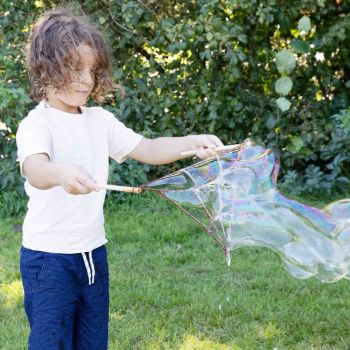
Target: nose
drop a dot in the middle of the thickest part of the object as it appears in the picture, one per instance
(86, 77)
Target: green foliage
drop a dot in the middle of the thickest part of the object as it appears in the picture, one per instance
(283, 104)
(304, 25)
(211, 67)
(334, 157)
(283, 86)
(14, 100)
(12, 203)
(285, 61)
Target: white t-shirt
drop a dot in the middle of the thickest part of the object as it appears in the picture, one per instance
(57, 221)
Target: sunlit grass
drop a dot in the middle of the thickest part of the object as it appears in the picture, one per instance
(11, 293)
(193, 343)
(268, 331)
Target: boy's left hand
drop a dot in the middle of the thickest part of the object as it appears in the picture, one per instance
(204, 145)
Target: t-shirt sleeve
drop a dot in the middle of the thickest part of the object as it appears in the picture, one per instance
(121, 140)
(32, 137)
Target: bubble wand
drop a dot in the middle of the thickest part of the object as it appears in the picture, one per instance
(183, 154)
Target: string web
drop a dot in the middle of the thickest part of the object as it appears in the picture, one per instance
(192, 190)
(233, 197)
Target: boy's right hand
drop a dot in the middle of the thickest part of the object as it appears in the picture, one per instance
(75, 179)
(43, 174)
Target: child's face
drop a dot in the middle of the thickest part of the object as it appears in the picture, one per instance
(77, 92)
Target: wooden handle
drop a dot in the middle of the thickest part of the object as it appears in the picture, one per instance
(120, 188)
(217, 149)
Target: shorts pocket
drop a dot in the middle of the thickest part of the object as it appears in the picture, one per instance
(33, 266)
(100, 262)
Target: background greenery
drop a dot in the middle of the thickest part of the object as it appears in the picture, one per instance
(207, 67)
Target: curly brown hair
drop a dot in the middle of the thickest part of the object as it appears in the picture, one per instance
(50, 53)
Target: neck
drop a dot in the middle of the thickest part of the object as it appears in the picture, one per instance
(63, 107)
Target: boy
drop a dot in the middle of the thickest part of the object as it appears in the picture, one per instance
(63, 149)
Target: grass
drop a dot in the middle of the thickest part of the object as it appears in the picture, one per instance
(171, 289)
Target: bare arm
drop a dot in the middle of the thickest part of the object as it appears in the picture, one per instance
(43, 174)
(167, 149)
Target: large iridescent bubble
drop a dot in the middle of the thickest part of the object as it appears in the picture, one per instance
(234, 198)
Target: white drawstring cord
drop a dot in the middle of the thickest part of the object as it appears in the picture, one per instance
(92, 267)
(87, 267)
(90, 273)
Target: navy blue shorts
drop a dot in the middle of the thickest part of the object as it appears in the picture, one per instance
(66, 299)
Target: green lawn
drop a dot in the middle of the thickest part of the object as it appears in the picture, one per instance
(171, 289)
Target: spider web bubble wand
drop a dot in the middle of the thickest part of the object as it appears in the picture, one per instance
(233, 197)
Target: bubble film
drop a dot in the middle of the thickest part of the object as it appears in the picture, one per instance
(234, 198)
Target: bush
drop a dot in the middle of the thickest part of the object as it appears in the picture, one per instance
(211, 67)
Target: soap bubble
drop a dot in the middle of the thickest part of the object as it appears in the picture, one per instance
(234, 198)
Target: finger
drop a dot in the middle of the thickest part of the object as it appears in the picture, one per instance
(210, 146)
(85, 178)
(210, 152)
(211, 141)
(216, 141)
(89, 183)
(78, 188)
(200, 152)
(205, 153)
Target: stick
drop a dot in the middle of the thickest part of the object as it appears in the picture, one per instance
(217, 149)
(121, 188)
